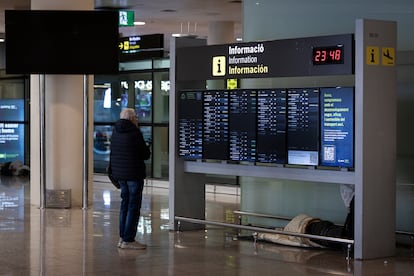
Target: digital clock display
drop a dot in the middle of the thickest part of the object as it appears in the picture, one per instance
(328, 55)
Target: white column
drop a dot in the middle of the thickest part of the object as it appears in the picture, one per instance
(63, 124)
(375, 138)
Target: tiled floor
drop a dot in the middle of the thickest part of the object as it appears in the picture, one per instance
(78, 242)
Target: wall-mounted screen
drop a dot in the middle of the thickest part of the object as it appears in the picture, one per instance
(216, 125)
(337, 127)
(190, 125)
(271, 126)
(303, 122)
(12, 110)
(141, 47)
(242, 125)
(11, 142)
(61, 42)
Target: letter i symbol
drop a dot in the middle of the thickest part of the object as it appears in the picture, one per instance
(219, 66)
(372, 56)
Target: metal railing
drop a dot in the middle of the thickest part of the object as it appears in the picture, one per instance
(261, 229)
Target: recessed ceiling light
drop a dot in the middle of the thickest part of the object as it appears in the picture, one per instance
(139, 23)
(1, 39)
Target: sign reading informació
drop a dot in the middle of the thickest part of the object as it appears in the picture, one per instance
(264, 59)
(244, 60)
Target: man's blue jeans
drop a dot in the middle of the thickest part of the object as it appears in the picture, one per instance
(131, 195)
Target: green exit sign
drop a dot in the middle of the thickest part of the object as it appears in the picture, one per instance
(126, 18)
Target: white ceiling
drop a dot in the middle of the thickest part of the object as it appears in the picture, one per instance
(161, 16)
(193, 16)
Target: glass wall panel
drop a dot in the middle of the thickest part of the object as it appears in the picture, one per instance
(160, 152)
(161, 88)
(162, 63)
(147, 133)
(12, 89)
(148, 93)
(135, 65)
(101, 147)
(109, 99)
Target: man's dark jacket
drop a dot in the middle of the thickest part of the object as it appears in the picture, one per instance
(128, 151)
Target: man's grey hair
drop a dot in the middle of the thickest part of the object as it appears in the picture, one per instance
(128, 113)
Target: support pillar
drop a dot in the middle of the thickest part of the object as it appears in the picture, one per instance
(63, 124)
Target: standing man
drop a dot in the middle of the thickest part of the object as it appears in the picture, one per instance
(128, 152)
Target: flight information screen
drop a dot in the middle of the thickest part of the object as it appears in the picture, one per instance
(337, 127)
(303, 122)
(271, 126)
(190, 125)
(242, 125)
(216, 125)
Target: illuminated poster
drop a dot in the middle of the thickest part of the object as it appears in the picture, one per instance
(12, 110)
(11, 130)
(337, 127)
(11, 142)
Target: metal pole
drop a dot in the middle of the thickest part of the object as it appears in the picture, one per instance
(85, 141)
(42, 131)
(260, 229)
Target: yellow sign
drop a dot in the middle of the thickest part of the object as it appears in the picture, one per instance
(372, 55)
(388, 56)
(219, 66)
(232, 84)
(124, 45)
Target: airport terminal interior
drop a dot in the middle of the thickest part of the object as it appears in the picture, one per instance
(347, 68)
(55, 241)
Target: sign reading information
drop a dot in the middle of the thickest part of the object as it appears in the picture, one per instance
(279, 58)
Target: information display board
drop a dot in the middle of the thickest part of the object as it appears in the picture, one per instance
(303, 122)
(310, 56)
(337, 126)
(190, 125)
(301, 126)
(141, 47)
(271, 126)
(242, 125)
(216, 125)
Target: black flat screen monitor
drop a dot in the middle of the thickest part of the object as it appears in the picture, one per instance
(216, 125)
(242, 125)
(303, 126)
(61, 42)
(271, 126)
(190, 125)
